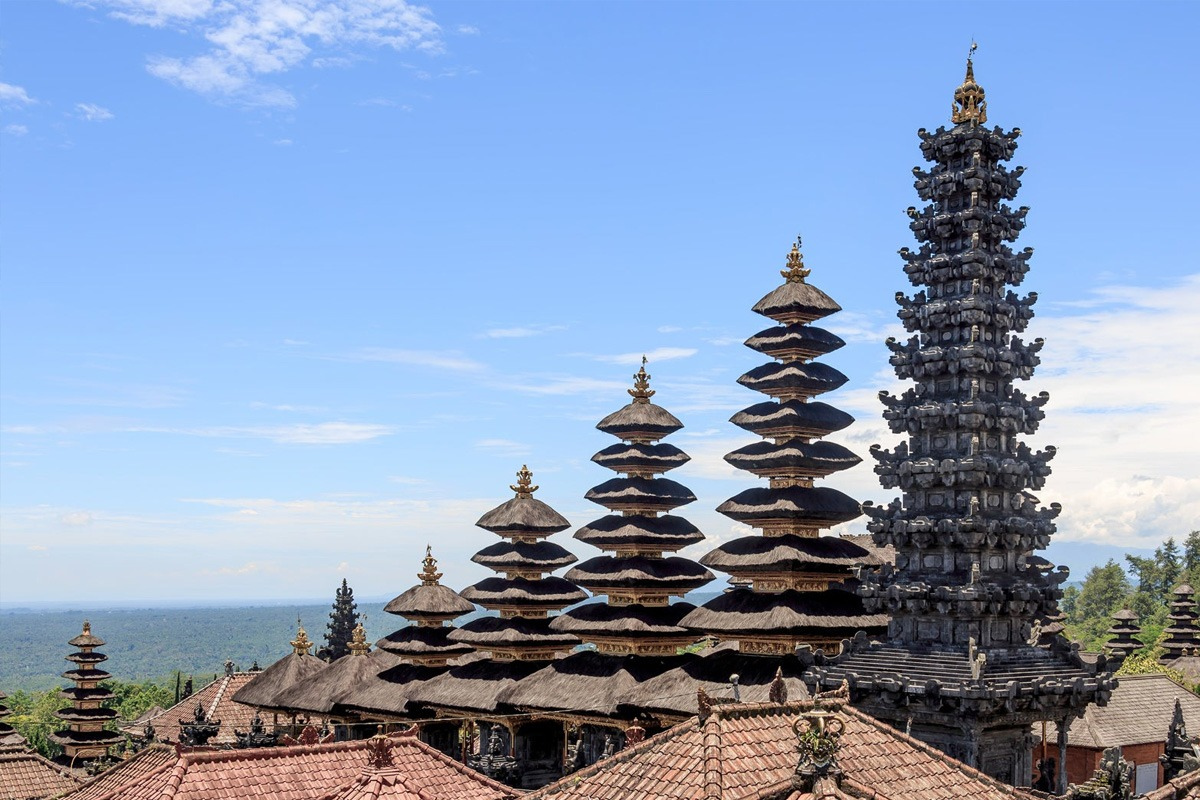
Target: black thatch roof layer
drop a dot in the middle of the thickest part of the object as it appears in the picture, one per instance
(474, 687)
(674, 691)
(640, 421)
(792, 419)
(794, 341)
(429, 602)
(585, 682)
(615, 531)
(419, 640)
(86, 639)
(818, 505)
(796, 302)
(273, 681)
(508, 555)
(601, 619)
(640, 494)
(548, 592)
(792, 379)
(388, 692)
(507, 633)
(603, 573)
(320, 692)
(793, 458)
(788, 553)
(523, 515)
(641, 458)
(833, 612)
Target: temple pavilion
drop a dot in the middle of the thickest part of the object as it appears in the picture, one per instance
(960, 668)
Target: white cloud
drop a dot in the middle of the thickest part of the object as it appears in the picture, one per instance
(285, 143)
(658, 354)
(251, 39)
(319, 433)
(467, 30)
(503, 447)
(92, 112)
(76, 518)
(421, 358)
(14, 95)
(16, 130)
(521, 332)
(563, 385)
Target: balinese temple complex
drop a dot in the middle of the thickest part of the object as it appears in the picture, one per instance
(85, 738)
(960, 667)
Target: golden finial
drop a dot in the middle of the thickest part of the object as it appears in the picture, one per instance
(524, 486)
(429, 575)
(87, 628)
(641, 391)
(969, 103)
(358, 641)
(795, 272)
(301, 644)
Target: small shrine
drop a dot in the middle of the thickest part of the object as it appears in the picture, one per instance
(84, 738)
(1123, 630)
(1182, 636)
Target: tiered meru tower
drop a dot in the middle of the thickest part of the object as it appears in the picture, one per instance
(789, 581)
(1182, 633)
(84, 737)
(638, 579)
(527, 593)
(958, 670)
(429, 605)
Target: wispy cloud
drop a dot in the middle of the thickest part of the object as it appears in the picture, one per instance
(503, 447)
(299, 433)
(562, 385)
(92, 112)
(16, 130)
(467, 30)
(420, 358)
(11, 95)
(282, 143)
(657, 354)
(249, 40)
(521, 331)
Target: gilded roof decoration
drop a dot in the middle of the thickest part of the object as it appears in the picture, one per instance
(524, 486)
(796, 271)
(429, 575)
(301, 644)
(969, 102)
(641, 391)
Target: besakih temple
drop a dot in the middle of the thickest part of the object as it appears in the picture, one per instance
(323, 692)
(293, 669)
(958, 669)
(1123, 630)
(8, 735)
(790, 582)
(85, 738)
(1182, 634)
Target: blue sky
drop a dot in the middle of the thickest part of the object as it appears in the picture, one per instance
(291, 288)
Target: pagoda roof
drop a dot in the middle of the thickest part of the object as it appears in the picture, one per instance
(506, 555)
(74, 694)
(1126, 614)
(70, 714)
(616, 530)
(680, 575)
(273, 681)
(819, 505)
(792, 418)
(506, 633)
(550, 591)
(87, 658)
(793, 378)
(217, 700)
(523, 515)
(473, 687)
(640, 421)
(796, 301)
(585, 682)
(641, 494)
(323, 690)
(421, 640)
(388, 692)
(429, 601)
(795, 341)
(641, 457)
(86, 675)
(642, 622)
(793, 458)
(787, 613)
(788, 552)
(96, 738)
(86, 639)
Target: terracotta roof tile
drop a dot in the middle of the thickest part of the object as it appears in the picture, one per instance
(25, 774)
(156, 758)
(1182, 787)
(217, 698)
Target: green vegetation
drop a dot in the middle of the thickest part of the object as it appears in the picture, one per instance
(1108, 589)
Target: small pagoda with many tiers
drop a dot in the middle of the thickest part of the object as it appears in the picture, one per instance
(84, 738)
(526, 592)
(790, 582)
(960, 668)
(637, 579)
(1182, 636)
(429, 606)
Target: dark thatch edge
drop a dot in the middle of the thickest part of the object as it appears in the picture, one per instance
(640, 419)
(508, 632)
(634, 620)
(796, 298)
(273, 681)
(789, 552)
(548, 592)
(416, 640)
(547, 556)
(586, 682)
(641, 457)
(769, 418)
(799, 458)
(814, 504)
(797, 336)
(811, 379)
(323, 690)
(630, 572)
(523, 514)
(616, 530)
(429, 602)
(833, 612)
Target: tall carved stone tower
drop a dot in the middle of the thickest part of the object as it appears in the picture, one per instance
(958, 668)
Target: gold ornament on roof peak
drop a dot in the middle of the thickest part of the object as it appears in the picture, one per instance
(969, 104)
(301, 644)
(429, 575)
(358, 641)
(87, 628)
(795, 272)
(524, 486)
(641, 391)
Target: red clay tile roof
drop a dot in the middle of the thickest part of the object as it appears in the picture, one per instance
(153, 758)
(217, 698)
(24, 774)
(1182, 787)
(749, 752)
(419, 772)
(1139, 712)
(288, 773)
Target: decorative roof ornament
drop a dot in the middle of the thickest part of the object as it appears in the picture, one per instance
(817, 733)
(641, 391)
(778, 692)
(796, 271)
(429, 575)
(969, 103)
(301, 644)
(379, 750)
(524, 486)
(358, 641)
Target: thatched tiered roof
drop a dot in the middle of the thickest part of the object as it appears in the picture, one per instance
(293, 669)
